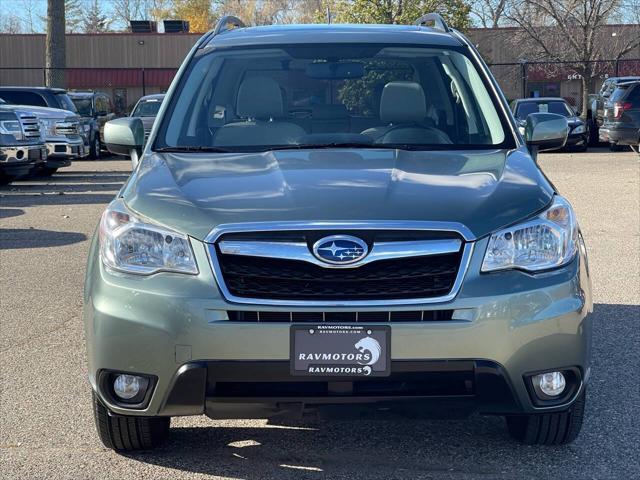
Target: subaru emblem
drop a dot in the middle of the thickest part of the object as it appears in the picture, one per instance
(340, 249)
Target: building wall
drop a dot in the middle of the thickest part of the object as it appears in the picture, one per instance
(122, 56)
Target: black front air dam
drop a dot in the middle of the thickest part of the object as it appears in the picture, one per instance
(262, 389)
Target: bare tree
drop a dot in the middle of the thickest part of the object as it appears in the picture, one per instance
(126, 10)
(489, 13)
(55, 53)
(11, 24)
(94, 20)
(572, 31)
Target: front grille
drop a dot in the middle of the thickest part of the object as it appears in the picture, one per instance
(68, 129)
(283, 279)
(340, 317)
(30, 126)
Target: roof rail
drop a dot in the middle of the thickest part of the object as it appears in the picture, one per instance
(226, 23)
(436, 21)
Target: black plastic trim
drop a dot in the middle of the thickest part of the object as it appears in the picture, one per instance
(186, 396)
(194, 386)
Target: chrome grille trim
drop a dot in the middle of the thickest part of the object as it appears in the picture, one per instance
(459, 229)
(67, 128)
(30, 126)
(453, 227)
(300, 251)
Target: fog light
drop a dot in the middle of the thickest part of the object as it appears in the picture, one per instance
(550, 383)
(127, 386)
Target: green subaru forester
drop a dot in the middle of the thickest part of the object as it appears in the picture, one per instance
(337, 217)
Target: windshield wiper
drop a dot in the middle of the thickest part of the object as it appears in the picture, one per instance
(301, 146)
(198, 148)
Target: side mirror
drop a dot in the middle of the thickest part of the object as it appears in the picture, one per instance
(545, 131)
(125, 136)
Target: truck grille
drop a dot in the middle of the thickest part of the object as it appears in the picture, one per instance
(266, 278)
(68, 129)
(341, 317)
(30, 127)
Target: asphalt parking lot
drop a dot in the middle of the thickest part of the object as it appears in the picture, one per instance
(46, 424)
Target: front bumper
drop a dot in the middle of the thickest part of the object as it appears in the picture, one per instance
(20, 159)
(577, 140)
(510, 323)
(66, 149)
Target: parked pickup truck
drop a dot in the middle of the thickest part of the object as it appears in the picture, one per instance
(56, 98)
(95, 109)
(62, 136)
(21, 144)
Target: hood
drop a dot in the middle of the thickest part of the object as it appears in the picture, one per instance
(193, 193)
(49, 113)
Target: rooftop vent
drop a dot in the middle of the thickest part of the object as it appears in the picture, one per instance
(175, 26)
(143, 26)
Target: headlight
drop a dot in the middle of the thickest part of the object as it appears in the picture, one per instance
(578, 129)
(11, 127)
(133, 245)
(548, 241)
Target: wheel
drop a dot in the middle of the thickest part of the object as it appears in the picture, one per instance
(94, 149)
(557, 428)
(593, 132)
(615, 147)
(128, 433)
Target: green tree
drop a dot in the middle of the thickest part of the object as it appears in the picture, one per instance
(455, 12)
(197, 12)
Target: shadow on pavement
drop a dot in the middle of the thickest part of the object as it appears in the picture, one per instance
(476, 447)
(11, 212)
(17, 238)
(66, 188)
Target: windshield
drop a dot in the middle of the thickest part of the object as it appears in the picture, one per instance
(147, 108)
(83, 105)
(254, 99)
(66, 102)
(554, 106)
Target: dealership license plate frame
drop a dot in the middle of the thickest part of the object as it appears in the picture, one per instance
(358, 331)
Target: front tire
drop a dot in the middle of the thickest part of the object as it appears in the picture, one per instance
(94, 149)
(559, 428)
(128, 433)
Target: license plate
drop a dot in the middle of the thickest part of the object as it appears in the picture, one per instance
(340, 350)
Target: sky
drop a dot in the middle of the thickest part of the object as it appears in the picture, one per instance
(33, 12)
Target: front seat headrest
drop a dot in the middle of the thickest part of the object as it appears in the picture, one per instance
(259, 97)
(402, 102)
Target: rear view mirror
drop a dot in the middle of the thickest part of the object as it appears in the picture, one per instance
(335, 70)
(125, 136)
(546, 131)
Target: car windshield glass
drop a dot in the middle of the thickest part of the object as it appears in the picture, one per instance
(83, 105)
(66, 102)
(147, 108)
(554, 106)
(256, 99)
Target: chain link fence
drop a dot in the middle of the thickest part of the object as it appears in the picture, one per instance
(517, 80)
